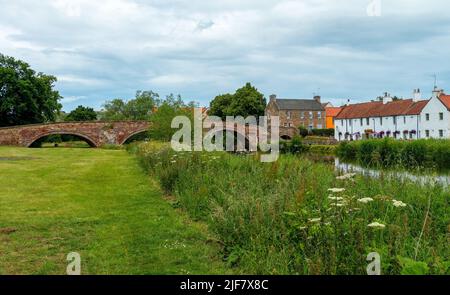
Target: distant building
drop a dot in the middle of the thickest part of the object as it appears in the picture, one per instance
(401, 119)
(307, 113)
(331, 113)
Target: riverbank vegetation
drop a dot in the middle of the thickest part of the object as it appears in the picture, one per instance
(298, 217)
(424, 153)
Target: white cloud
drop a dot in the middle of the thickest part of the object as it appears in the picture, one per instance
(105, 49)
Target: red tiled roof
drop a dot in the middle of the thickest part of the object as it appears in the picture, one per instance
(378, 109)
(445, 100)
(333, 111)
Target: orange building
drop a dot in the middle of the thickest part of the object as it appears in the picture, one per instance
(331, 113)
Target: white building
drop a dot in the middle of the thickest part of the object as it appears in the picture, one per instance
(402, 119)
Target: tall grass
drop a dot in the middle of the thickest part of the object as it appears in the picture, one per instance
(424, 153)
(281, 218)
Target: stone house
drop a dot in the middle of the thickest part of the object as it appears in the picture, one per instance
(295, 113)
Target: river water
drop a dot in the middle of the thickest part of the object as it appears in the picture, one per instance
(424, 179)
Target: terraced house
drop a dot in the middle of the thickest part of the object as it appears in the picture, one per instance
(401, 119)
(295, 113)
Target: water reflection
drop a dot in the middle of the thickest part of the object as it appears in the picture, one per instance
(344, 167)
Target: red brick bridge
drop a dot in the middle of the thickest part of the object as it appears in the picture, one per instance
(96, 134)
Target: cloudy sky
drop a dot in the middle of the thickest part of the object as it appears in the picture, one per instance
(106, 49)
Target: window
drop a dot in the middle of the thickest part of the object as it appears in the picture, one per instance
(441, 116)
(342, 122)
(441, 133)
(319, 115)
(367, 121)
(288, 115)
(311, 115)
(404, 119)
(427, 117)
(302, 115)
(395, 120)
(381, 121)
(361, 123)
(427, 133)
(351, 122)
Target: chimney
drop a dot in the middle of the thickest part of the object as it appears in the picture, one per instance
(437, 92)
(317, 98)
(387, 98)
(417, 95)
(273, 98)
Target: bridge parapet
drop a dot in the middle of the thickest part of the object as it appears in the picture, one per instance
(96, 133)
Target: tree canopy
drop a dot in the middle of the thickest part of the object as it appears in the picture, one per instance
(139, 108)
(26, 97)
(246, 101)
(168, 109)
(82, 113)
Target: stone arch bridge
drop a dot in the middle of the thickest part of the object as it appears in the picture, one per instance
(96, 134)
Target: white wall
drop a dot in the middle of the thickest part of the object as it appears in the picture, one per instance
(402, 123)
(433, 108)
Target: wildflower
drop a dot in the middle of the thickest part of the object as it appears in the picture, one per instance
(336, 190)
(377, 225)
(314, 220)
(173, 161)
(365, 200)
(335, 198)
(338, 204)
(346, 176)
(399, 203)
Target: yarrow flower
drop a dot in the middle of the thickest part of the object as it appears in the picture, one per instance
(399, 203)
(365, 200)
(377, 225)
(346, 176)
(336, 190)
(314, 220)
(335, 198)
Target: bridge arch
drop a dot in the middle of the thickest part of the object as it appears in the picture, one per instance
(86, 138)
(129, 136)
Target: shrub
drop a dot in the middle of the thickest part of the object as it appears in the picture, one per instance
(323, 132)
(388, 152)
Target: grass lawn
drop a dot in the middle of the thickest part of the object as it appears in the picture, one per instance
(98, 203)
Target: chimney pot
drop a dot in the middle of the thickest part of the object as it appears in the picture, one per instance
(317, 98)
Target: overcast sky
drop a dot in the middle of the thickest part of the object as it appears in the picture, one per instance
(107, 49)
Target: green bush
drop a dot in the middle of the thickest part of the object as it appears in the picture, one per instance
(388, 152)
(323, 132)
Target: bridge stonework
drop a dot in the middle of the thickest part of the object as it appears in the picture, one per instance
(95, 133)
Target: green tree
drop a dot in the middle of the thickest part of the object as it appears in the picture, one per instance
(247, 101)
(142, 106)
(162, 119)
(219, 106)
(26, 97)
(139, 108)
(114, 110)
(82, 113)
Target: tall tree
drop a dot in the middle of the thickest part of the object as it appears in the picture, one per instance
(26, 97)
(246, 101)
(82, 113)
(139, 108)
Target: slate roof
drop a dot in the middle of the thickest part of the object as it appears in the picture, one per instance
(299, 104)
(378, 109)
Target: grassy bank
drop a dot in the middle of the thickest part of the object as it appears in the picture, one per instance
(98, 203)
(388, 152)
(281, 218)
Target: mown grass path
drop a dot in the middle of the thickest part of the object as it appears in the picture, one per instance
(98, 203)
